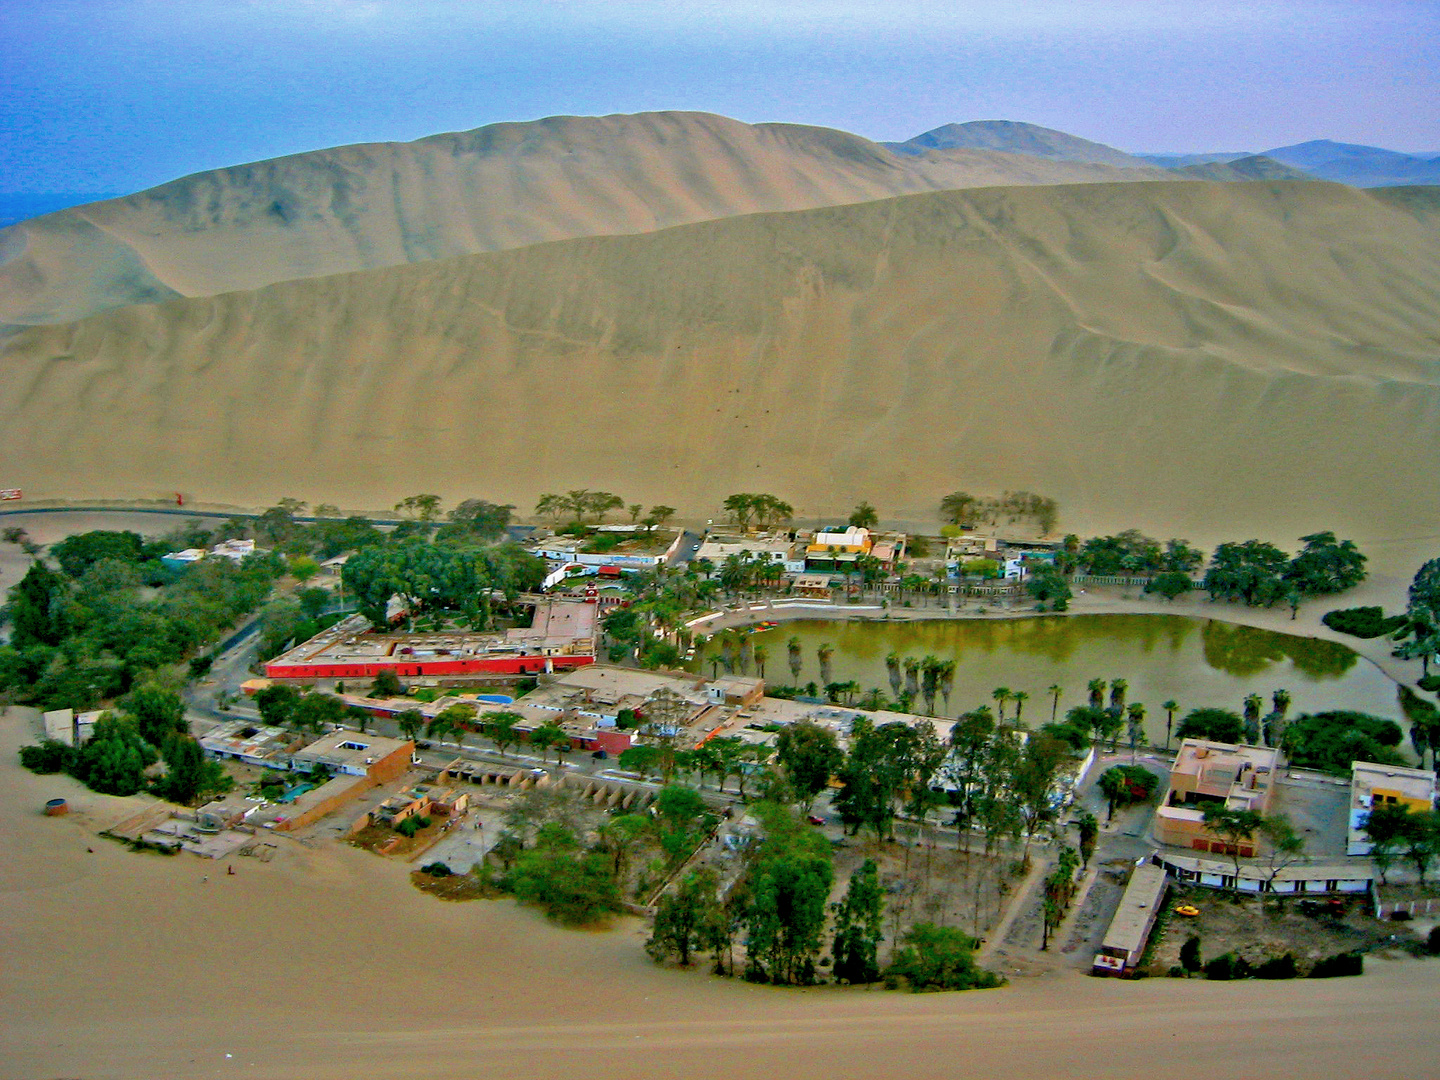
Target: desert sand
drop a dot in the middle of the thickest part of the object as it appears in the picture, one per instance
(498, 187)
(325, 963)
(1213, 361)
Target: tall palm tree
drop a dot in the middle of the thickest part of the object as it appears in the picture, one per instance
(912, 673)
(1096, 687)
(1019, 697)
(1169, 707)
(793, 648)
(1001, 694)
(1118, 689)
(1253, 704)
(1054, 691)
(1136, 716)
(761, 655)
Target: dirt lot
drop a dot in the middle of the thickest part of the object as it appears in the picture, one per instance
(1259, 931)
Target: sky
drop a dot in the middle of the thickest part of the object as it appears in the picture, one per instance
(118, 95)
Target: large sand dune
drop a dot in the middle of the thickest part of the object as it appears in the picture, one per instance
(1194, 359)
(498, 187)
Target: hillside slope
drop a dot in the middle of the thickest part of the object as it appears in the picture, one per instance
(1241, 170)
(498, 187)
(1362, 166)
(1189, 358)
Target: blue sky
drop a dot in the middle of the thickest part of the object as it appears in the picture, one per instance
(116, 95)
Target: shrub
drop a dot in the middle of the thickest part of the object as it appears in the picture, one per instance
(1277, 967)
(408, 828)
(1221, 968)
(1190, 953)
(1177, 972)
(1338, 966)
(1362, 622)
(1429, 682)
(938, 958)
(1330, 741)
(51, 756)
(436, 869)
(1433, 941)
(200, 665)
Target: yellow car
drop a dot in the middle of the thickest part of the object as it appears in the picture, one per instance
(1187, 910)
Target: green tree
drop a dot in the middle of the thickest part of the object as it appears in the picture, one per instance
(36, 608)
(548, 736)
(1089, 834)
(810, 756)
(276, 703)
(159, 714)
(1216, 725)
(572, 886)
(410, 721)
(387, 684)
(1385, 827)
(315, 711)
(864, 517)
(683, 918)
(1125, 784)
(114, 759)
(1251, 571)
(1325, 565)
(189, 777)
(1049, 586)
(787, 916)
(1285, 845)
(859, 921)
(499, 728)
(1234, 826)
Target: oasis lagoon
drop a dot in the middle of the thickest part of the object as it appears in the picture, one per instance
(1194, 662)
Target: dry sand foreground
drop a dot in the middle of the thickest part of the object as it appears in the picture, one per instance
(325, 963)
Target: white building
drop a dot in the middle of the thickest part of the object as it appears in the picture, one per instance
(1374, 785)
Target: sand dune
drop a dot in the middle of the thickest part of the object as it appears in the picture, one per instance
(1193, 359)
(498, 187)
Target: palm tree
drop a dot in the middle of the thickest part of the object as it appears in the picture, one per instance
(1001, 694)
(1169, 707)
(1118, 688)
(1019, 697)
(1096, 688)
(1275, 726)
(1136, 716)
(912, 680)
(793, 648)
(1054, 691)
(930, 681)
(761, 655)
(1253, 703)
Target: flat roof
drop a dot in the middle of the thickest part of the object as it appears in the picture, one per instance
(1416, 783)
(1137, 908)
(343, 746)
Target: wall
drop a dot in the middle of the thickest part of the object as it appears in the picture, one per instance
(508, 665)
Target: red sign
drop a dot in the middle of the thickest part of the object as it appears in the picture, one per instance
(8, 494)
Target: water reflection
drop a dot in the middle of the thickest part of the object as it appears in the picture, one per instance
(1195, 662)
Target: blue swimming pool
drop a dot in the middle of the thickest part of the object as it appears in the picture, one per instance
(295, 792)
(495, 699)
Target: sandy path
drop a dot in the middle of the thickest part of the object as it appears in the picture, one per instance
(325, 963)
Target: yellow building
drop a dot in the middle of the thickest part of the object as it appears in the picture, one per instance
(1374, 785)
(1211, 773)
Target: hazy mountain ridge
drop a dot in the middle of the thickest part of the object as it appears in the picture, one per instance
(1242, 169)
(1164, 355)
(498, 187)
(1015, 137)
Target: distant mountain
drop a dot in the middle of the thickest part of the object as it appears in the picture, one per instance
(1238, 170)
(1180, 161)
(1359, 166)
(1012, 137)
(15, 208)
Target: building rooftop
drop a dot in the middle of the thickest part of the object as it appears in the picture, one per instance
(248, 739)
(1241, 775)
(1133, 918)
(1365, 776)
(343, 748)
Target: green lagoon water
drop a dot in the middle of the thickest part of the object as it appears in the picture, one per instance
(1197, 662)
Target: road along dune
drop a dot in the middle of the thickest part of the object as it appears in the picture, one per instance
(1204, 360)
(498, 187)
